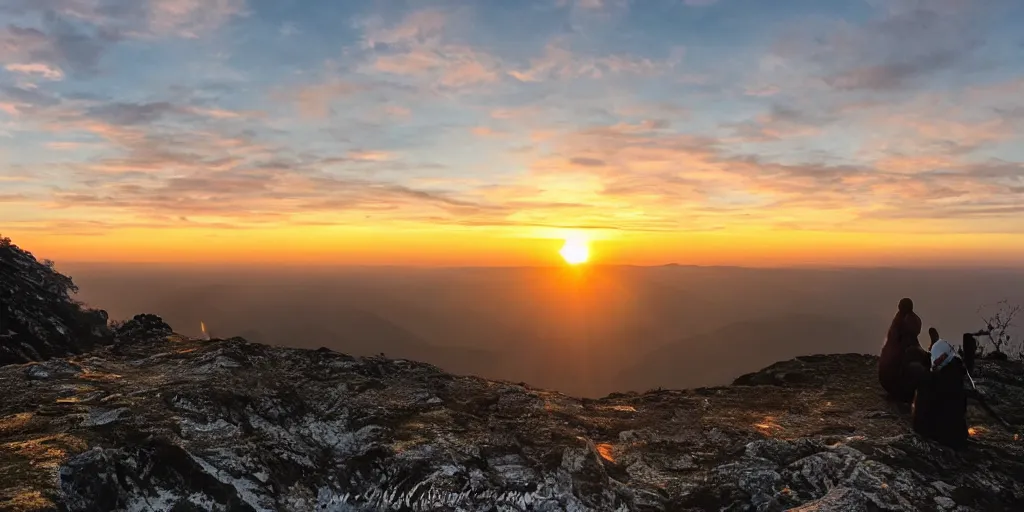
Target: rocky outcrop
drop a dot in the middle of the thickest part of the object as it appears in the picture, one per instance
(144, 327)
(180, 424)
(38, 318)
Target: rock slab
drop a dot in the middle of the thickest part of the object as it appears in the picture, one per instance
(178, 424)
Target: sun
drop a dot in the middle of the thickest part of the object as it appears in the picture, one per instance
(575, 251)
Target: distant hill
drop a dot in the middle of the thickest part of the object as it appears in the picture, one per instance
(719, 356)
(290, 311)
(355, 332)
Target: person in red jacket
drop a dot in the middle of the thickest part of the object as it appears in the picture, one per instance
(903, 363)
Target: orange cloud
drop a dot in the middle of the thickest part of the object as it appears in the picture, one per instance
(66, 146)
(779, 123)
(190, 18)
(220, 113)
(8, 108)
(416, 47)
(638, 176)
(60, 46)
(47, 71)
(516, 113)
(560, 63)
(485, 131)
(314, 101)
(446, 65)
(418, 26)
(371, 156)
(397, 111)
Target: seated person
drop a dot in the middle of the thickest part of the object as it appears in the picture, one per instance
(940, 404)
(970, 347)
(903, 363)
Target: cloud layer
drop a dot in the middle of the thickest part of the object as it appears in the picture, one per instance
(676, 116)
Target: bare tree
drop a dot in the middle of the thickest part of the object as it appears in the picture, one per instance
(999, 324)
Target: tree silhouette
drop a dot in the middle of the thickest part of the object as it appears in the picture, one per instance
(999, 324)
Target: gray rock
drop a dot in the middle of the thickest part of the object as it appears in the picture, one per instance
(99, 417)
(230, 425)
(839, 499)
(37, 372)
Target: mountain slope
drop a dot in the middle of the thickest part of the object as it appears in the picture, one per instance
(299, 313)
(231, 425)
(718, 356)
(38, 318)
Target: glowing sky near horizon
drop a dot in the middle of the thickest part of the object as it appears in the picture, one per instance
(692, 131)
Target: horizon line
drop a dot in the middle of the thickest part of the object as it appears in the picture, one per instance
(578, 269)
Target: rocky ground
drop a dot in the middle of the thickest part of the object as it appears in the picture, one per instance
(182, 425)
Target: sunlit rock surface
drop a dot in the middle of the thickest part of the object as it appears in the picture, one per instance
(183, 425)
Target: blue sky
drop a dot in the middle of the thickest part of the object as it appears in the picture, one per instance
(871, 116)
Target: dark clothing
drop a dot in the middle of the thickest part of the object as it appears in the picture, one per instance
(898, 369)
(940, 406)
(970, 350)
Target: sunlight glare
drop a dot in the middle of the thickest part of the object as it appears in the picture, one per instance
(575, 251)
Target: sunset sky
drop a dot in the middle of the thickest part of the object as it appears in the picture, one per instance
(750, 132)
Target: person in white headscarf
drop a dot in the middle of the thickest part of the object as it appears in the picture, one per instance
(940, 404)
(942, 351)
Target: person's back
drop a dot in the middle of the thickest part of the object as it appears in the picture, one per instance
(940, 404)
(970, 349)
(902, 363)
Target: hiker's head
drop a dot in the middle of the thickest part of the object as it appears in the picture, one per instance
(942, 354)
(906, 305)
(933, 333)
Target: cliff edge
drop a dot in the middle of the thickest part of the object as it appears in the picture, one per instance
(181, 424)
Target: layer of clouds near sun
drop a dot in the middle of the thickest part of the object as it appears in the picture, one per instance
(666, 123)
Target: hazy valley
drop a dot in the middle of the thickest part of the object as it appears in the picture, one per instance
(585, 332)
